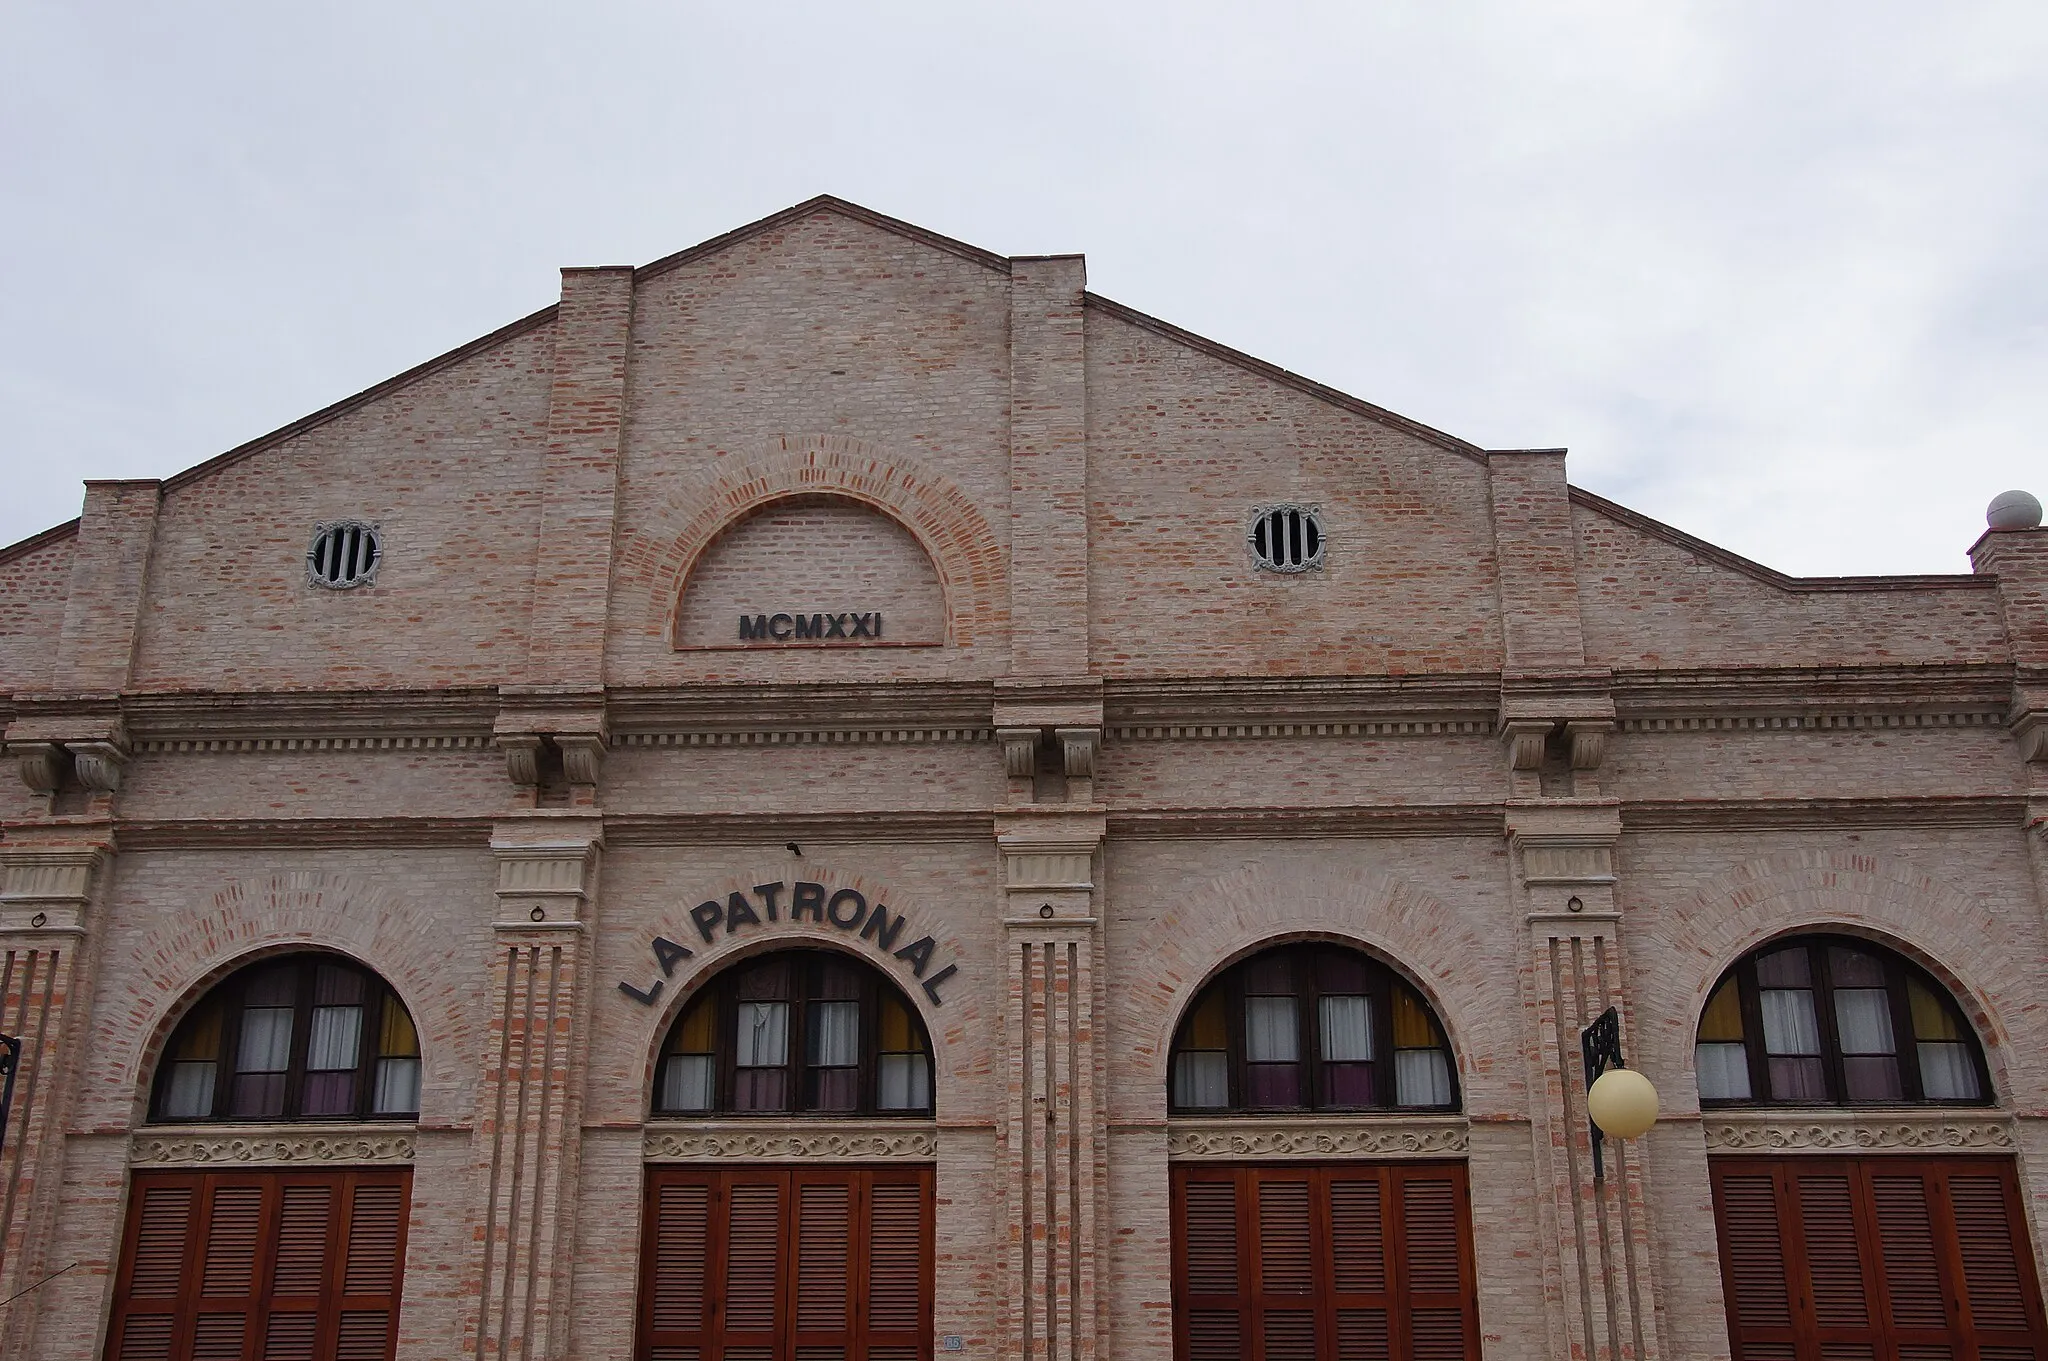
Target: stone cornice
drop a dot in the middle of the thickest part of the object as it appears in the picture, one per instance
(1732, 815)
(1896, 1130)
(1426, 819)
(1379, 1136)
(708, 713)
(1210, 703)
(1767, 690)
(167, 720)
(271, 1145)
(772, 827)
(270, 834)
(808, 1140)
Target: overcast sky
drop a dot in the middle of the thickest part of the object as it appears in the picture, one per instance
(1774, 272)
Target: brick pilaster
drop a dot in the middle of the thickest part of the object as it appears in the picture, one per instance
(580, 481)
(115, 534)
(1053, 1132)
(529, 1105)
(1605, 1307)
(1048, 467)
(2019, 559)
(46, 894)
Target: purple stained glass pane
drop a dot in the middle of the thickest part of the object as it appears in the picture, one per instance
(759, 1089)
(336, 987)
(257, 1094)
(1797, 1078)
(1337, 972)
(1350, 1084)
(1854, 969)
(1269, 976)
(330, 1093)
(1273, 1084)
(1874, 1078)
(1784, 969)
(838, 1089)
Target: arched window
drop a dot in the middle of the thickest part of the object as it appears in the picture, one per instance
(808, 1031)
(304, 1037)
(1310, 1027)
(1834, 1020)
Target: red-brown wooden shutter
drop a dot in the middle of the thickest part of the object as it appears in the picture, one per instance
(1356, 1262)
(1884, 1258)
(233, 1266)
(771, 1264)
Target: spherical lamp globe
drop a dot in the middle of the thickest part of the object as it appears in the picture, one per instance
(1622, 1103)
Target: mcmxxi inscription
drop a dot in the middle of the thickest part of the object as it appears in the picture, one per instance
(781, 628)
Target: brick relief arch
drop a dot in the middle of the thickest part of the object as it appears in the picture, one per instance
(961, 1029)
(1958, 939)
(1447, 957)
(946, 523)
(180, 960)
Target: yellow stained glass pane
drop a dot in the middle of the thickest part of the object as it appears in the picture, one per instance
(694, 1035)
(899, 1033)
(1721, 1022)
(1206, 1028)
(200, 1037)
(1931, 1020)
(1413, 1026)
(397, 1039)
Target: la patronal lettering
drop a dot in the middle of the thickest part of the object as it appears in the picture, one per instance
(846, 909)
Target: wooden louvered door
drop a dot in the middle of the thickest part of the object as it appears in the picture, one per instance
(1344, 1262)
(787, 1264)
(270, 1265)
(1876, 1259)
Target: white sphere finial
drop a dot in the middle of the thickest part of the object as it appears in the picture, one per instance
(2013, 510)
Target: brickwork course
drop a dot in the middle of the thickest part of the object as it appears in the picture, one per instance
(1536, 751)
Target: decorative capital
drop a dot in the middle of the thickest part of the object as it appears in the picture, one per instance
(1589, 741)
(1079, 746)
(582, 756)
(42, 764)
(522, 757)
(1525, 739)
(99, 765)
(1020, 752)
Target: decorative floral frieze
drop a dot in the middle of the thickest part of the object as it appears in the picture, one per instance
(1361, 1137)
(281, 1145)
(746, 1143)
(1917, 1132)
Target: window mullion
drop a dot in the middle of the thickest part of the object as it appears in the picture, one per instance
(1905, 1042)
(1748, 992)
(1830, 1033)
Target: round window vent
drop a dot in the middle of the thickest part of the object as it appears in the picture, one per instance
(1286, 538)
(344, 554)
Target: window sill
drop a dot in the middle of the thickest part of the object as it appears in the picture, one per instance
(325, 1144)
(841, 1138)
(1856, 1129)
(1392, 1134)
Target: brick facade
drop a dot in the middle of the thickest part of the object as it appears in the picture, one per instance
(1539, 753)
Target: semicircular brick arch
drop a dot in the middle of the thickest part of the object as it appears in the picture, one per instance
(961, 1032)
(1960, 940)
(1238, 914)
(951, 529)
(183, 958)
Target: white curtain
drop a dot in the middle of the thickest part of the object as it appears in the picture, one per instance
(1863, 1018)
(1790, 1026)
(398, 1086)
(191, 1093)
(1201, 1079)
(332, 1042)
(1347, 1029)
(835, 1034)
(904, 1083)
(1270, 1032)
(1723, 1071)
(1422, 1077)
(686, 1082)
(266, 1040)
(1946, 1072)
(763, 1035)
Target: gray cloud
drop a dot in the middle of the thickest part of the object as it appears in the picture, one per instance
(1772, 272)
